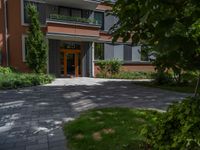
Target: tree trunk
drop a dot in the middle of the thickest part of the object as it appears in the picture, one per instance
(197, 86)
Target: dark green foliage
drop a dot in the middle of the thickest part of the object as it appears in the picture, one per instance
(178, 128)
(129, 75)
(36, 46)
(17, 80)
(109, 67)
(5, 70)
(171, 28)
(161, 78)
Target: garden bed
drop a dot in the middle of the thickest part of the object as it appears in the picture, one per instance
(10, 79)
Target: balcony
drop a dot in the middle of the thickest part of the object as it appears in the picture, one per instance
(72, 28)
(78, 21)
(85, 4)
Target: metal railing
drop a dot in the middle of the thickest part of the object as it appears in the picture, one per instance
(70, 19)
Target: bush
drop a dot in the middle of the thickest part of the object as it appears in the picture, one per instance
(109, 67)
(129, 75)
(5, 70)
(178, 128)
(161, 78)
(18, 80)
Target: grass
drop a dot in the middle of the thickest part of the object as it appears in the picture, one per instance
(127, 75)
(109, 129)
(177, 88)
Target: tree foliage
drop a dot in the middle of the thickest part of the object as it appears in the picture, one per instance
(36, 46)
(178, 128)
(171, 28)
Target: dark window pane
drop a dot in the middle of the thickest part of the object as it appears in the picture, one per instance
(86, 13)
(99, 51)
(76, 13)
(41, 9)
(99, 17)
(25, 47)
(26, 18)
(64, 11)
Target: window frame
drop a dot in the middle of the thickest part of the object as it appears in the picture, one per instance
(23, 23)
(24, 36)
(103, 19)
(103, 45)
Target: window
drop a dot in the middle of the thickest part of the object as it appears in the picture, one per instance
(24, 48)
(99, 51)
(99, 17)
(41, 9)
(144, 54)
(76, 13)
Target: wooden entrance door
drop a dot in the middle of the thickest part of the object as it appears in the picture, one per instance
(71, 63)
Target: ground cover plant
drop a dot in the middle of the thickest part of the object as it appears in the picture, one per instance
(128, 75)
(109, 129)
(10, 79)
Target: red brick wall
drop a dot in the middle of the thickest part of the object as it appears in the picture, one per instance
(2, 35)
(132, 68)
(16, 30)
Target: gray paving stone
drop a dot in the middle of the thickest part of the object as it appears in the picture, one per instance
(37, 147)
(32, 118)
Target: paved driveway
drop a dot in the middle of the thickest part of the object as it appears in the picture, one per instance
(32, 118)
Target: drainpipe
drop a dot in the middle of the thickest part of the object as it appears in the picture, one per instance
(6, 31)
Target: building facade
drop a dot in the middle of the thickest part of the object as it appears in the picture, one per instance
(76, 32)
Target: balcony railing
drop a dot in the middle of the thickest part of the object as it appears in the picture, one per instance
(74, 20)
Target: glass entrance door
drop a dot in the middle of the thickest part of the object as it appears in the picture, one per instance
(70, 63)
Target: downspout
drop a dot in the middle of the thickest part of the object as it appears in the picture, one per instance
(6, 31)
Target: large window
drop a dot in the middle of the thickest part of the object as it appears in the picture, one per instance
(41, 10)
(99, 51)
(99, 17)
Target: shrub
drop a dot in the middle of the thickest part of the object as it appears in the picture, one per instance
(109, 67)
(18, 80)
(129, 75)
(5, 70)
(161, 78)
(178, 128)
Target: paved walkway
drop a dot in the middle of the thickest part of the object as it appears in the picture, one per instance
(32, 118)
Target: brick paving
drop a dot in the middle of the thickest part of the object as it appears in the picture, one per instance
(32, 118)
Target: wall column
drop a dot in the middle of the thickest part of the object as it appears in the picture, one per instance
(93, 49)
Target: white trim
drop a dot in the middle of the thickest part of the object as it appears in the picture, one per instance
(23, 48)
(93, 49)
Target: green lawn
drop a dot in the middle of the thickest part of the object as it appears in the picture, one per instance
(176, 88)
(109, 129)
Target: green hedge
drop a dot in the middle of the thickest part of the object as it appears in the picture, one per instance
(128, 75)
(12, 80)
(18, 80)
